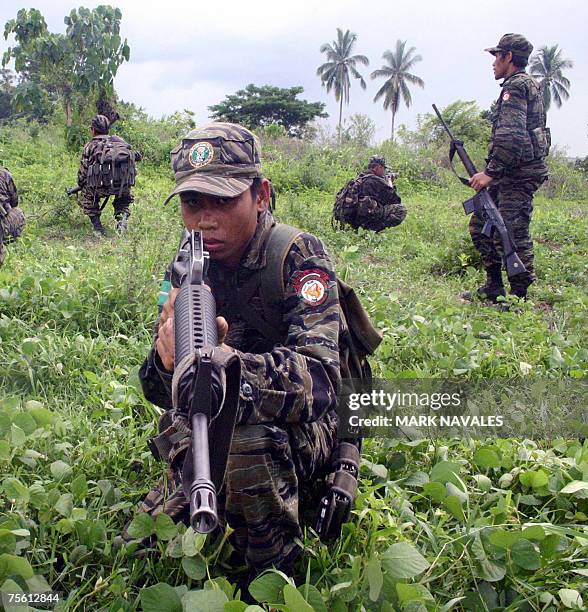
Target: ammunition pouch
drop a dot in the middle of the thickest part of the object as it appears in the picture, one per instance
(541, 141)
(335, 507)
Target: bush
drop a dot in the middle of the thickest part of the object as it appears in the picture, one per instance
(154, 138)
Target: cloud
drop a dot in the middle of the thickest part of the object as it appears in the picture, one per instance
(195, 53)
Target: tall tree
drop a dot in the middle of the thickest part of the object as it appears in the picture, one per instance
(266, 105)
(334, 73)
(547, 65)
(82, 61)
(397, 75)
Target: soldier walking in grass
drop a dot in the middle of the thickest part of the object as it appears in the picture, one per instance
(370, 200)
(12, 219)
(107, 168)
(515, 166)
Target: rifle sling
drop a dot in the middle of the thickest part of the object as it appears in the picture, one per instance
(222, 425)
(452, 152)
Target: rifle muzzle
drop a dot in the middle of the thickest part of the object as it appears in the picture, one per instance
(203, 514)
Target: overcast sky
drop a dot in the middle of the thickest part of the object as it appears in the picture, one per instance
(192, 54)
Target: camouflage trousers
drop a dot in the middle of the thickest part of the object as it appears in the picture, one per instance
(267, 466)
(92, 200)
(374, 216)
(513, 196)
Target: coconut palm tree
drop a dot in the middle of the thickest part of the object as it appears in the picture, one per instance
(547, 67)
(334, 73)
(397, 75)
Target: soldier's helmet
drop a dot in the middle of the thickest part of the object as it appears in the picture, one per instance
(516, 43)
(377, 159)
(218, 159)
(101, 124)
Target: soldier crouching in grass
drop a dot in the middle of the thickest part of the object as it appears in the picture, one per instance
(287, 390)
(370, 200)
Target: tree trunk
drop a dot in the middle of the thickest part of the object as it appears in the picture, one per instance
(392, 132)
(68, 112)
(340, 116)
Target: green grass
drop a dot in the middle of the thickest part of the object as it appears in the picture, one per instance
(437, 525)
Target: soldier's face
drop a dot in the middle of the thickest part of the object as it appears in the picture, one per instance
(227, 224)
(501, 65)
(379, 170)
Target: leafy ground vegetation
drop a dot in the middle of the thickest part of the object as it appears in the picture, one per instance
(446, 525)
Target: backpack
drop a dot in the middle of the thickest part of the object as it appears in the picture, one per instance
(359, 340)
(113, 169)
(347, 202)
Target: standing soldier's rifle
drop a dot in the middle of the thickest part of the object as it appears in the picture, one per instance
(197, 392)
(483, 205)
(73, 190)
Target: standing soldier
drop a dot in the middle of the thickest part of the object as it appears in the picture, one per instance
(107, 168)
(515, 166)
(12, 219)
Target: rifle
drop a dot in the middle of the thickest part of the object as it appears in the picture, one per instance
(199, 390)
(483, 205)
(73, 190)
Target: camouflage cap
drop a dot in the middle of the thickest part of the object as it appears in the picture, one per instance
(516, 43)
(101, 124)
(218, 159)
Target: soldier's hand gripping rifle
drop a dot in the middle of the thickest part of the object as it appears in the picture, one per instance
(483, 205)
(73, 190)
(199, 392)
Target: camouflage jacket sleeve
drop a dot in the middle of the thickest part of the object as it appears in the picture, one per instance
(299, 381)
(509, 133)
(84, 165)
(8, 193)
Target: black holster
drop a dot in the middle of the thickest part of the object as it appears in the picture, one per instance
(335, 506)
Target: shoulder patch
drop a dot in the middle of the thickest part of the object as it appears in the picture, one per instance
(311, 286)
(506, 96)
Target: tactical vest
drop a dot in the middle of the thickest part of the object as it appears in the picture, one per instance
(359, 337)
(536, 145)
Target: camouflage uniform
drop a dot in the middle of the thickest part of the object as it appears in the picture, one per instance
(11, 217)
(286, 424)
(91, 196)
(516, 160)
(379, 204)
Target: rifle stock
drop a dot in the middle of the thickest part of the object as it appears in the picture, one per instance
(73, 190)
(483, 205)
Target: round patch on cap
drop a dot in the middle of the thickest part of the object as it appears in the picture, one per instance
(505, 96)
(201, 154)
(311, 286)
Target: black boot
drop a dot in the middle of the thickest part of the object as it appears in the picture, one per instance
(493, 288)
(97, 225)
(518, 287)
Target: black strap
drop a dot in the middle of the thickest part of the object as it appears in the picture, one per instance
(452, 152)
(270, 279)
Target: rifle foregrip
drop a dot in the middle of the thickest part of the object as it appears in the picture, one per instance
(194, 320)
